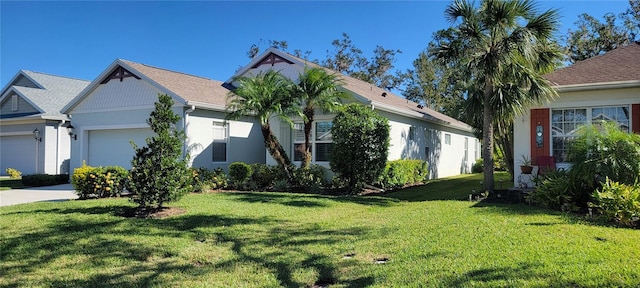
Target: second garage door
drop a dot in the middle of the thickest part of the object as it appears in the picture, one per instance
(112, 147)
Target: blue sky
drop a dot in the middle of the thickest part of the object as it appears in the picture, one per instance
(211, 38)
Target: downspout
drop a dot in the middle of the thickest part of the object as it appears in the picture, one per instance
(58, 146)
(184, 128)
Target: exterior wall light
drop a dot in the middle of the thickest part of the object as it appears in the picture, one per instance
(36, 135)
(71, 131)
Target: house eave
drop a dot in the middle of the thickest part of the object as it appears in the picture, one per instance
(598, 86)
(206, 106)
(415, 115)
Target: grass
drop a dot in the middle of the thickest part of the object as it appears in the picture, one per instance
(8, 183)
(299, 240)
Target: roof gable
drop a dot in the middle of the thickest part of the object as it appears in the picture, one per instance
(41, 93)
(362, 91)
(616, 66)
(186, 89)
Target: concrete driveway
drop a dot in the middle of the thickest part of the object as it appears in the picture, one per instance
(37, 194)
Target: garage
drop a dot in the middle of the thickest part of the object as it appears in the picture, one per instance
(18, 152)
(112, 147)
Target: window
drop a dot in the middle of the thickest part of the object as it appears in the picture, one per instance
(323, 140)
(14, 102)
(565, 122)
(320, 141)
(466, 148)
(447, 138)
(219, 144)
(412, 133)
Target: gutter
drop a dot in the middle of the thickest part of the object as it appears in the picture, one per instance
(207, 106)
(414, 114)
(598, 86)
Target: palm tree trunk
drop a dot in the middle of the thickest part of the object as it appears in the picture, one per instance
(276, 150)
(487, 135)
(306, 155)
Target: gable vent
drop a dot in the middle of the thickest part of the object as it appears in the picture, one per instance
(119, 73)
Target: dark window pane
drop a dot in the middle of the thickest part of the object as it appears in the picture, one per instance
(219, 152)
(323, 152)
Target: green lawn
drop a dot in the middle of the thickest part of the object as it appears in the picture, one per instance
(298, 240)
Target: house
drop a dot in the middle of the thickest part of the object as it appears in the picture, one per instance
(448, 145)
(113, 109)
(32, 137)
(604, 87)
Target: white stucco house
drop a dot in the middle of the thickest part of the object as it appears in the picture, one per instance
(604, 87)
(32, 137)
(112, 111)
(448, 145)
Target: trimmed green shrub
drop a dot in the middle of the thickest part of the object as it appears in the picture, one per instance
(100, 182)
(78, 179)
(618, 202)
(13, 173)
(478, 166)
(159, 172)
(239, 173)
(311, 179)
(204, 180)
(265, 176)
(37, 180)
(360, 146)
(399, 173)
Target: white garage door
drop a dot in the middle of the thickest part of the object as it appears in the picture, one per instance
(18, 152)
(112, 147)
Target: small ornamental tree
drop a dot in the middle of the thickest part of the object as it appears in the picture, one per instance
(360, 146)
(159, 170)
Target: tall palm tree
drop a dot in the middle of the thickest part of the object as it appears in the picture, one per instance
(263, 96)
(316, 89)
(502, 45)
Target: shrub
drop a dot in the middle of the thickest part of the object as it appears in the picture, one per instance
(239, 173)
(399, 173)
(13, 173)
(618, 202)
(310, 179)
(99, 182)
(603, 151)
(360, 146)
(37, 180)
(265, 176)
(159, 172)
(78, 180)
(478, 166)
(553, 190)
(203, 179)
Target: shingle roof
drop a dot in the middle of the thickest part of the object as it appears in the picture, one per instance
(621, 64)
(57, 92)
(188, 87)
(374, 94)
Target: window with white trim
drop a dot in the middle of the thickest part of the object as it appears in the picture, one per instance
(320, 141)
(466, 148)
(219, 143)
(565, 122)
(447, 138)
(412, 133)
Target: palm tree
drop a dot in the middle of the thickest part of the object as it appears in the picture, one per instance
(263, 96)
(502, 46)
(316, 89)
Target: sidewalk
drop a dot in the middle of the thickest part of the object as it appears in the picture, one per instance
(37, 194)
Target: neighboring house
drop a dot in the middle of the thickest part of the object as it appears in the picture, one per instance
(605, 87)
(417, 132)
(112, 111)
(32, 136)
